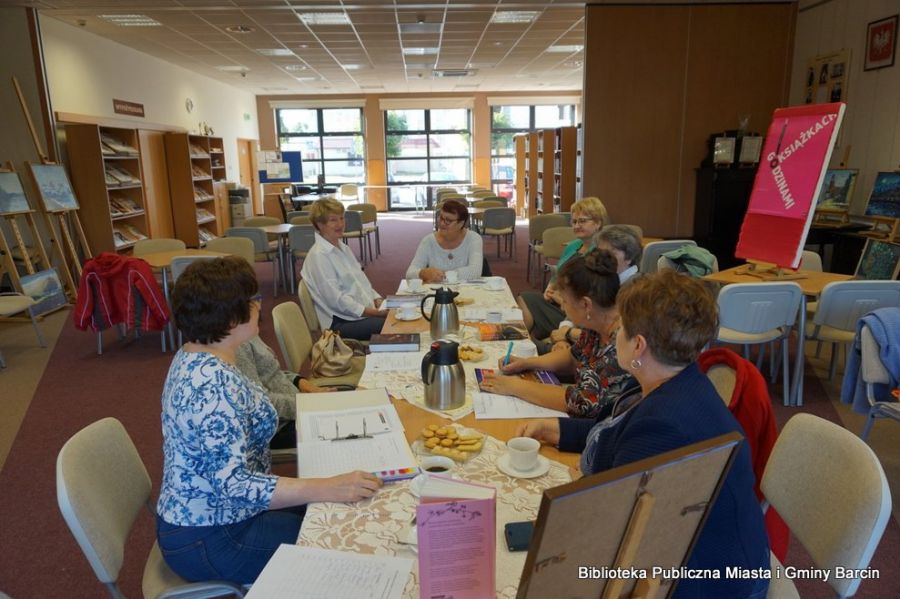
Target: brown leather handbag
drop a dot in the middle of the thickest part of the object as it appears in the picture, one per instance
(331, 355)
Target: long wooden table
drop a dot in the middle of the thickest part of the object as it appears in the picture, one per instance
(811, 283)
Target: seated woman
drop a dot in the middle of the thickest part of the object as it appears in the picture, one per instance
(220, 512)
(453, 247)
(587, 287)
(542, 312)
(344, 298)
(625, 244)
(667, 318)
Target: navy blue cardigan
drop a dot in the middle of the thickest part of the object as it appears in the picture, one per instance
(686, 409)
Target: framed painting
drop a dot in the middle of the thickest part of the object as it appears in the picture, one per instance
(837, 189)
(884, 201)
(881, 43)
(880, 261)
(12, 196)
(54, 187)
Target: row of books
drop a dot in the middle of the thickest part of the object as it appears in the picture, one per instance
(126, 235)
(110, 146)
(501, 331)
(198, 172)
(117, 176)
(198, 152)
(201, 195)
(205, 234)
(120, 206)
(204, 215)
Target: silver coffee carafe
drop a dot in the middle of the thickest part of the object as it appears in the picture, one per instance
(444, 377)
(444, 316)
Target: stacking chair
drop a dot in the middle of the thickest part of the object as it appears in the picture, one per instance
(101, 486)
(353, 229)
(296, 343)
(264, 251)
(179, 264)
(263, 221)
(370, 225)
(500, 223)
(349, 192)
(301, 238)
(309, 309)
(537, 224)
(758, 313)
(15, 303)
(553, 242)
(842, 304)
(652, 252)
(493, 202)
(303, 219)
(296, 213)
(667, 264)
(236, 246)
(811, 261)
(873, 372)
(153, 246)
(482, 193)
(829, 487)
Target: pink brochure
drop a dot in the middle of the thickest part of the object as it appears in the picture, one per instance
(457, 541)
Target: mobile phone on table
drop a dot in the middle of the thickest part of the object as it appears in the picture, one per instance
(518, 535)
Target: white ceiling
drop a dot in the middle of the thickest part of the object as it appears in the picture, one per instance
(365, 55)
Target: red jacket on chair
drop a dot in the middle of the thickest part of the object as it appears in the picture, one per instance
(752, 408)
(118, 289)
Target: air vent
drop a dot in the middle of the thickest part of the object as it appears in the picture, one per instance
(453, 72)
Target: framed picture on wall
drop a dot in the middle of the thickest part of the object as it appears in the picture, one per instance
(881, 43)
(723, 150)
(880, 261)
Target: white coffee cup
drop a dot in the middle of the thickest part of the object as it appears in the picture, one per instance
(451, 276)
(494, 316)
(524, 349)
(437, 464)
(495, 284)
(408, 312)
(414, 284)
(523, 453)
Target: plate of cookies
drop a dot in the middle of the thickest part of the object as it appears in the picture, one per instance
(469, 352)
(459, 445)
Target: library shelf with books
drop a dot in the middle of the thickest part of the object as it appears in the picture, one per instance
(564, 168)
(107, 175)
(194, 162)
(546, 146)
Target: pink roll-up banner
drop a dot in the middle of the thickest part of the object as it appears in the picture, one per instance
(792, 168)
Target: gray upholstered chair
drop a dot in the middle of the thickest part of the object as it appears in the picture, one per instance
(264, 251)
(655, 249)
(101, 486)
(874, 372)
(830, 489)
(301, 238)
(500, 223)
(16, 303)
(235, 246)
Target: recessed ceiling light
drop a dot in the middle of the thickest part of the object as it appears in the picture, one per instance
(565, 49)
(354, 67)
(239, 29)
(306, 78)
(419, 51)
(275, 89)
(514, 16)
(233, 68)
(274, 52)
(325, 18)
(131, 20)
(572, 64)
(421, 27)
(295, 67)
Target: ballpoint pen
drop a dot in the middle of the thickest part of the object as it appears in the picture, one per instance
(508, 354)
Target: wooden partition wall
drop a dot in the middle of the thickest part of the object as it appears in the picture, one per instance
(658, 80)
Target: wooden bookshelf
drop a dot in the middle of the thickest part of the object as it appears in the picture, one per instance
(546, 146)
(217, 159)
(579, 162)
(564, 168)
(105, 165)
(190, 163)
(520, 140)
(530, 179)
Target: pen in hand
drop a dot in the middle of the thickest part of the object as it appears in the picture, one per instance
(508, 354)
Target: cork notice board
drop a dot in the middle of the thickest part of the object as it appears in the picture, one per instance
(641, 515)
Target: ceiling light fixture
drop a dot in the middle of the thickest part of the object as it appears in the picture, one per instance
(274, 52)
(131, 20)
(354, 67)
(295, 67)
(565, 48)
(239, 29)
(232, 68)
(514, 16)
(419, 51)
(325, 18)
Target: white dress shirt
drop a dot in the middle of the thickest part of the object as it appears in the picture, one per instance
(336, 282)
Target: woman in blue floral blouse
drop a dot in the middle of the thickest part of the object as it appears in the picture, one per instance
(587, 286)
(221, 512)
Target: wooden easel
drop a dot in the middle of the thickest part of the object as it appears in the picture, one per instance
(883, 228)
(64, 251)
(19, 249)
(831, 217)
(646, 588)
(768, 272)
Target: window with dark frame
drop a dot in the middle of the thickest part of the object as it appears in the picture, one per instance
(330, 140)
(506, 122)
(426, 146)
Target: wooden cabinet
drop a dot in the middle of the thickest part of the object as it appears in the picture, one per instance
(105, 165)
(723, 195)
(564, 168)
(193, 161)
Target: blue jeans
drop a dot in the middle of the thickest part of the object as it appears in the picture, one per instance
(233, 552)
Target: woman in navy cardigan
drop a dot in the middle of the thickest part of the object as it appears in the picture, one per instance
(667, 318)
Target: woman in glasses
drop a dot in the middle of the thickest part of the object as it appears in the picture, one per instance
(221, 512)
(542, 311)
(453, 247)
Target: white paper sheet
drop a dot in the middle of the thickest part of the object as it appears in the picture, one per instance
(490, 406)
(318, 425)
(479, 314)
(378, 454)
(312, 573)
(395, 360)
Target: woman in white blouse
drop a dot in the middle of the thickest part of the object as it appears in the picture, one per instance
(453, 247)
(344, 298)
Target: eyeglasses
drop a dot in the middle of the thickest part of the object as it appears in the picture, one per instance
(448, 221)
(257, 298)
(582, 221)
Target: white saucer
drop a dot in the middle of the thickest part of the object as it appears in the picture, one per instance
(540, 469)
(415, 316)
(421, 289)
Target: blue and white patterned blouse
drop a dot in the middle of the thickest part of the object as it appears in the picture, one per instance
(216, 430)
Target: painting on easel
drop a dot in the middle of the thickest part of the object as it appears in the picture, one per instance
(12, 196)
(837, 190)
(46, 289)
(885, 198)
(880, 261)
(54, 187)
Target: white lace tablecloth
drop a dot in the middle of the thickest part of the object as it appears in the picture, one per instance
(376, 525)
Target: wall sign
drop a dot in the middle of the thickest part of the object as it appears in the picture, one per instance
(129, 108)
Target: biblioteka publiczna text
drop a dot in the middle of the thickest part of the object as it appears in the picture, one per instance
(790, 572)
